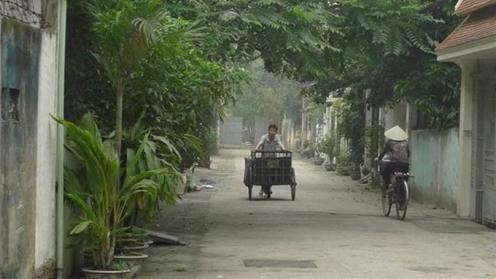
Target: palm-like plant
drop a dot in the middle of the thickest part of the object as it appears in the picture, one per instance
(145, 152)
(125, 30)
(91, 179)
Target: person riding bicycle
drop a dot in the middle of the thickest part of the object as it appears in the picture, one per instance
(269, 142)
(395, 156)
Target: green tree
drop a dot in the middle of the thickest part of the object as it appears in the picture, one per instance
(124, 31)
(289, 35)
(388, 49)
(267, 95)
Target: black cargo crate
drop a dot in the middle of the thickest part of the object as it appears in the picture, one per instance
(271, 167)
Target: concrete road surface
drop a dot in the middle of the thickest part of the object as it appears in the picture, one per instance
(334, 229)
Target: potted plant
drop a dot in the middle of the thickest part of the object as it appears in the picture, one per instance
(131, 249)
(133, 260)
(328, 146)
(92, 187)
(355, 173)
(344, 164)
(145, 151)
(329, 165)
(209, 146)
(318, 160)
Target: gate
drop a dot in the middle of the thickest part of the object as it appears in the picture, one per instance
(485, 148)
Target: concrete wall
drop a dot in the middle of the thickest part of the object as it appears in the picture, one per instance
(46, 157)
(230, 131)
(396, 115)
(287, 133)
(27, 184)
(434, 162)
(20, 46)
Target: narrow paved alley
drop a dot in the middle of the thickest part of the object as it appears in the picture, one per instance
(334, 229)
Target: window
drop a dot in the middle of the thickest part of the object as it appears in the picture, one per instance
(10, 104)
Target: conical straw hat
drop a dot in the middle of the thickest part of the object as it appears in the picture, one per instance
(396, 133)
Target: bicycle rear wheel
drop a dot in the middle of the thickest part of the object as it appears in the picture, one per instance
(401, 199)
(386, 202)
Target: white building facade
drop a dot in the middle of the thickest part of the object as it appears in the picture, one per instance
(472, 46)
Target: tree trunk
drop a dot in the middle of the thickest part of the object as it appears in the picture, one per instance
(118, 116)
(303, 134)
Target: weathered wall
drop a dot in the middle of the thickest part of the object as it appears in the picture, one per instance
(20, 47)
(27, 146)
(434, 163)
(41, 14)
(394, 116)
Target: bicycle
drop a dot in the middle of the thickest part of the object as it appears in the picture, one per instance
(400, 195)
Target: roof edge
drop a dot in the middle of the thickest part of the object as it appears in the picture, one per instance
(460, 51)
(441, 47)
(466, 11)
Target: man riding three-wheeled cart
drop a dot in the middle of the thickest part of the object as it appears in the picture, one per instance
(269, 164)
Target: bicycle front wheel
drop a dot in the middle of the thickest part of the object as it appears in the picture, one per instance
(402, 198)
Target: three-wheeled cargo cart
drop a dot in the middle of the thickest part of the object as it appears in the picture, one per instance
(269, 168)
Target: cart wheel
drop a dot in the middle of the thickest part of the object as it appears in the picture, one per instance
(249, 174)
(293, 184)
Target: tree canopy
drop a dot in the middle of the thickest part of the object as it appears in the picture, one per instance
(183, 61)
(267, 95)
